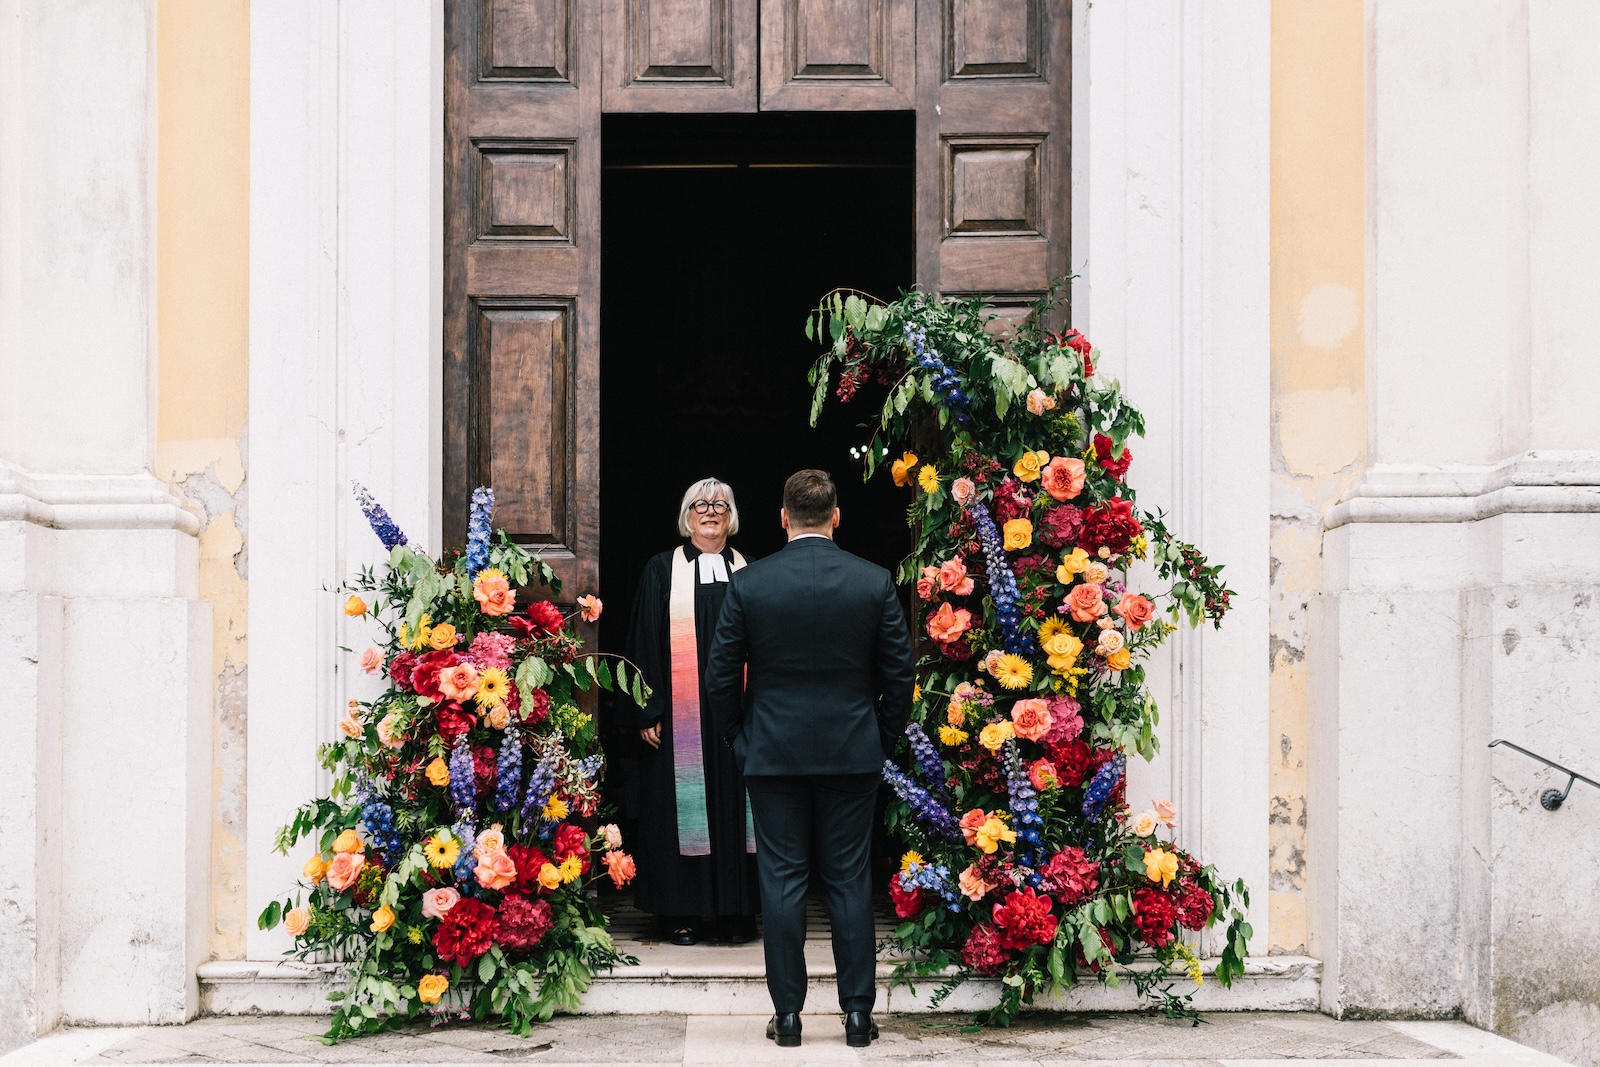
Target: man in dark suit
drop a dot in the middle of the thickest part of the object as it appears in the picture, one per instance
(830, 677)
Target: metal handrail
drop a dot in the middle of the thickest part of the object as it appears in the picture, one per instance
(1551, 799)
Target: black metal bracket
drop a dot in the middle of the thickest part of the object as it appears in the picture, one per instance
(1550, 798)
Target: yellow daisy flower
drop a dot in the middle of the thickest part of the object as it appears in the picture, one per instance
(1048, 629)
(909, 858)
(555, 809)
(951, 736)
(441, 850)
(928, 478)
(571, 869)
(492, 687)
(1013, 672)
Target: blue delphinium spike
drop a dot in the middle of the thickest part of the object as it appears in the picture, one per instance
(928, 763)
(1024, 804)
(540, 785)
(478, 530)
(463, 786)
(948, 388)
(928, 811)
(1002, 583)
(1098, 792)
(382, 525)
(508, 780)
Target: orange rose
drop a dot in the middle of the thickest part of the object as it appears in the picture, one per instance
(1119, 660)
(1135, 610)
(430, 987)
(493, 593)
(901, 469)
(348, 841)
(1031, 718)
(355, 606)
(970, 822)
(1063, 478)
(589, 608)
(316, 869)
(948, 624)
(382, 919)
(495, 871)
(442, 637)
(549, 876)
(295, 920)
(351, 727)
(345, 869)
(438, 772)
(619, 865)
(1018, 534)
(953, 577)
(459, 682)
(973, 887)
(1086, 602)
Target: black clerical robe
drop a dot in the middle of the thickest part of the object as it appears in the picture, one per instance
(723, 883)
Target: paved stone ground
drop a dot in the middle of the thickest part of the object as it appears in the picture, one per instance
(1236, 1040)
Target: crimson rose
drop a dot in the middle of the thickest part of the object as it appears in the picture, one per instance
(529, 861)
(1117, 468)
(1110, 525)
(425, 675)
(569, 841)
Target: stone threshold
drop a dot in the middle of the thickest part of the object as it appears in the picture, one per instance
(726, 980)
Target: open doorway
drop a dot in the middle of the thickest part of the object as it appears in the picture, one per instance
(721, 232)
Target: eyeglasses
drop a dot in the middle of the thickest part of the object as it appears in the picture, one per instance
(713, 507)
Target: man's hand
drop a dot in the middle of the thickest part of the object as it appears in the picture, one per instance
(652, 736)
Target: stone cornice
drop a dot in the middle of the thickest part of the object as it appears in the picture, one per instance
(138, 501)
(1544, 482)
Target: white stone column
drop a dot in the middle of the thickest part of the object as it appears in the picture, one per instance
(104, 650)
(1462, 568)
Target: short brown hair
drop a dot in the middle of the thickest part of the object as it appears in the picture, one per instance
(809, 498)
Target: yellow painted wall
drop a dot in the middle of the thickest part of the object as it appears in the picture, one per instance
(1319, 415)
(203, 324)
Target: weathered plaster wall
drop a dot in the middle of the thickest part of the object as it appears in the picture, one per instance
(1319, 423)
(202, 265)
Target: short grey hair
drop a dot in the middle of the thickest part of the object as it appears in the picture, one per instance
(708, 489)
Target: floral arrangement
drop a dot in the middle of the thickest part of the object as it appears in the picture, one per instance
(451, 857)
(1023, 859)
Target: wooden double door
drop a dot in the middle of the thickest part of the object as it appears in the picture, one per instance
(526, 83)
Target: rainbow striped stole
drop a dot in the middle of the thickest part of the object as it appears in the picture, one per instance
(688, 754)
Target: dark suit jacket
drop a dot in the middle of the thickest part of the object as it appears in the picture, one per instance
(830, 663)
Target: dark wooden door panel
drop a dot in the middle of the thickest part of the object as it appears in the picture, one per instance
(522, 263)
(838, 55)
(679, 55)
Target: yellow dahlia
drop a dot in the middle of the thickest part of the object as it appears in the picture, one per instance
(951, 736)
(571, 868)
(1013, 672)
(555, 809)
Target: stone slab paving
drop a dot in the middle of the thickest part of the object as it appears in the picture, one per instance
(1245, 1039)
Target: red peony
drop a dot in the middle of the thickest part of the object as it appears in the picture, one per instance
(400, 669)
(907, 902)
(1117, 468)
(1024, 919)
(1011, 501)
(485, 769)
(522, 922)
(1154, 915)
(466, 932)
(1071, 875)
(453, 723)
(982, 952)
(570, 840)
(545, 617)
(1110, 525)
(1061, 526)
(1194, 905)
(529, 861)
(1073, 759)
(425, 675)
(1080, 344)
(538, 708)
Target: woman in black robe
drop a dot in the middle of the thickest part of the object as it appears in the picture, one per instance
(691, 895)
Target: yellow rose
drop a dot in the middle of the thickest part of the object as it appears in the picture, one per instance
(901, 468)
(438, 772)
(1161, 866)
(996, 734)
(431, 988)
(349, 841)
(928, 478)
(1019, 534)
(355, 606)
(549, 877)
(1119, 660)
(1062, 650)
(442, 637)
(382, 919)
(990, 834)
(1072, 565)
(1030, 465)
(418, 639)
(952, 737)
(316, 868)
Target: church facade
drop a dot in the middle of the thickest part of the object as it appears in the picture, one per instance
(1342, 254)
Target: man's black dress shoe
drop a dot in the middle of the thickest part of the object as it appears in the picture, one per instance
(785, 1029)
(859, 1029)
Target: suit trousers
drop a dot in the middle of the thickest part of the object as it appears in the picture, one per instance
(826, 820)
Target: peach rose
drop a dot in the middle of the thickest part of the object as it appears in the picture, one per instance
(351, 727)
(963, 492)
(1135, 610)
(495, 871)
(316, 869)
(430, 987)
(371, 660)
(549, 876)
(1110, 642)
(1097, 573)
(1105, 622)
(973, 887)
(619, 865)
(1167, 812)
(1040, 402)
(499, 717)
(1062, 477)
(953, 577)
(1031, 718)
(1086, 602)
(442, 637)
(438, 771)
(991, 660)
(494, 594)
(611, 835)
(970, 823)
(354, 606)
(1029, 465)
(459, 682)
(1144, 824)
(348, 841)
(589, 608)
(436, 903)
(1018, 534)
(925, 588)
(489, 842)
(1119, 660)
(382, 919)
(295, 920)
(386, 735)
(948, 624)
(345, 869)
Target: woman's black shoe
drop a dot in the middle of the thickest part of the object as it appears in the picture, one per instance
(737, 929)
(785, 1029)
(678, 931)
(859, 1029)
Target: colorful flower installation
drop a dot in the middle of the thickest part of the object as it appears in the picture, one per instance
(1023, 859)
(450, 859)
